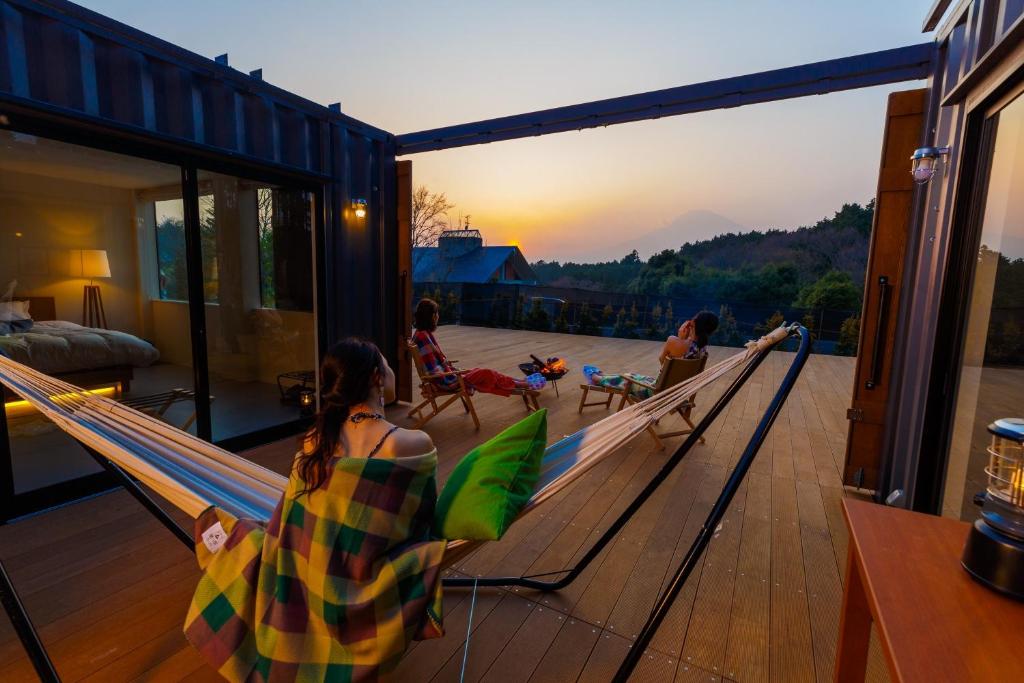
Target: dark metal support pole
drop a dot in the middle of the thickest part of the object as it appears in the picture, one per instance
(669, 595)
(627, 514)
(196, 301)
(133, 488)
(26, 631)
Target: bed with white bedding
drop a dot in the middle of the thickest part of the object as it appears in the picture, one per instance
(85, 356)
(59, 346)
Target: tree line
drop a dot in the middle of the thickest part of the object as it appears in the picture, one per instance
(820, 266)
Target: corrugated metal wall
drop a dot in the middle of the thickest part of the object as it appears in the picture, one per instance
(75, 68)
(970, 32)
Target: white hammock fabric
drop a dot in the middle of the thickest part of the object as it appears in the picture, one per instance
(192, 474)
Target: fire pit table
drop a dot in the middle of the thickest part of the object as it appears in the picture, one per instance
(552, 370)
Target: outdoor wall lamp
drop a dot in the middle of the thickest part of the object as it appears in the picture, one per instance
(359, 207)
(924, 161)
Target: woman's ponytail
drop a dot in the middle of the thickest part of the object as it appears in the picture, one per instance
(347, 375)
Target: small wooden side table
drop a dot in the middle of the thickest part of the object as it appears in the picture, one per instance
(934, 622)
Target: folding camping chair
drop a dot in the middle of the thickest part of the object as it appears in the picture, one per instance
(612, 392)
(437, 397)
(673, 371)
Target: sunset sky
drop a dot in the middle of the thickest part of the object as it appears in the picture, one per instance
(407, 66)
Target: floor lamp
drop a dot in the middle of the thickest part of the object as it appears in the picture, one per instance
(94, 264)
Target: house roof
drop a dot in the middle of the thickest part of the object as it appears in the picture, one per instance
(476, 266)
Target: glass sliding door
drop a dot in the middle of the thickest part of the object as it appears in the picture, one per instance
(991, 376)
(258, 285)
(92, 283)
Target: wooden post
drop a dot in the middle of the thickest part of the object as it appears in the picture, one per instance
(403, 373)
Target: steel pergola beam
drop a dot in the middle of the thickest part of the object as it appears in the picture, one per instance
(909, 63)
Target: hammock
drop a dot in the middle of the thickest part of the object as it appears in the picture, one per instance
(193, 474)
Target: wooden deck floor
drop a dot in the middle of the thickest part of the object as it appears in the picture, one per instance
(108, 586)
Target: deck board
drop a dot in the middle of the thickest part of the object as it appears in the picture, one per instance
(108, 587)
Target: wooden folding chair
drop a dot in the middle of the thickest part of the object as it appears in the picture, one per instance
(437, 397)
(612, 392)
(673, 371)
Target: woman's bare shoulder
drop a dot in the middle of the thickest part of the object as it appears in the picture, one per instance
(410, 442)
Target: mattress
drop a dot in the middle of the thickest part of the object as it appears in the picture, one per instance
(54, 346)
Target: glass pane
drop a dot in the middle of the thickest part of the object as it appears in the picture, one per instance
(992, 375)
(257, 242)
(170, 249)
(79, 224)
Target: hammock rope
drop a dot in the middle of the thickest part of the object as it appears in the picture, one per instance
(193, 474)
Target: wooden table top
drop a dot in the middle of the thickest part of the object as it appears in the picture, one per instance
(935, 621)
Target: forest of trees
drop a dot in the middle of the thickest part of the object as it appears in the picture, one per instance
(820, 266)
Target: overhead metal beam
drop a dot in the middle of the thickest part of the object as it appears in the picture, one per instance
(859, 71)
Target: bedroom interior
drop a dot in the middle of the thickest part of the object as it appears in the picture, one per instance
(93, 252)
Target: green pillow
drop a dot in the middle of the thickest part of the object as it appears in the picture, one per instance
(492, 483)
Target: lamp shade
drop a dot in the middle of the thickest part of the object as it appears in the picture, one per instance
(90, 263)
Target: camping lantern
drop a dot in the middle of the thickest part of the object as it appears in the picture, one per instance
(994, 554)
(307, 401)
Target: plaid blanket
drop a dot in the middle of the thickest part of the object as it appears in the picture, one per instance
(333, 587)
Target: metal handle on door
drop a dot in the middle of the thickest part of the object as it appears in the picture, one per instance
(878, 348)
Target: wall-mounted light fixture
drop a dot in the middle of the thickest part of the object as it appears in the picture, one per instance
(924, 160)
(359, 207)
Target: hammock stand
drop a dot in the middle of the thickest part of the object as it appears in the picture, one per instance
(44, 667)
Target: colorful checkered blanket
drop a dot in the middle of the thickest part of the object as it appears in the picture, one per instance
(333, 587)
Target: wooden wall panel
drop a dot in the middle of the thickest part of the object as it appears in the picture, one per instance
(892, 221)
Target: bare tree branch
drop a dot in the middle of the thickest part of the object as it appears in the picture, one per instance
(429, 216)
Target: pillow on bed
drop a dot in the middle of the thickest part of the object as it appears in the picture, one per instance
(489, 487)
(14, 310)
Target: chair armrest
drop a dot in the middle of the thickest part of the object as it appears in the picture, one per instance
(633, 380)
(442, 375)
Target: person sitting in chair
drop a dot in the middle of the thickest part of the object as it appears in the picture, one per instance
(691, 342)
(436, 363)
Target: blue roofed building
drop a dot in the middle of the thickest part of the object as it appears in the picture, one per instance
(460, 256)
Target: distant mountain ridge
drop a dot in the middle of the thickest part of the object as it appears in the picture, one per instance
(837, 243)
(692, 226)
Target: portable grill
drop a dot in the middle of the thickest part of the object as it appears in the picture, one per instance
(552, 370)
(994, 554)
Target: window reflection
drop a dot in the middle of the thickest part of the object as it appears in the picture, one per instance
(991, 382)
(258, 283)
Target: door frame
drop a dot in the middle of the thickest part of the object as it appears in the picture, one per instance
(978, 144)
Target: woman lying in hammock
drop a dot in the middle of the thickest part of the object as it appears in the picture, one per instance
(346, 573)
(691, 342)
(479, 379)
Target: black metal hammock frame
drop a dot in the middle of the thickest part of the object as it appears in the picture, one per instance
(44, 666)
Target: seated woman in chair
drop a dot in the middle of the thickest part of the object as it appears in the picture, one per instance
(691, 342)
(436, 363)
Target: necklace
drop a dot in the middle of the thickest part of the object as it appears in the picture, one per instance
(356, 418)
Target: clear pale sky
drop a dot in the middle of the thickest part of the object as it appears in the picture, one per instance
(407, 66)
